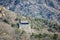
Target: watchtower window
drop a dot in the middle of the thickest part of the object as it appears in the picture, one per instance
(24, 23)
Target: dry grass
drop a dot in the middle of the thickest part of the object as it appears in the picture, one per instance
(6, 32)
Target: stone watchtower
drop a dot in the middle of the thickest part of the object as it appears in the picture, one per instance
(24, 24)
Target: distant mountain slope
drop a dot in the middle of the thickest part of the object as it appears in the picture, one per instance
(47, 9)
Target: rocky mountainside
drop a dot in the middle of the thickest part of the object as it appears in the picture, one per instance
(47, 9)
(44, 17)
(6, 18)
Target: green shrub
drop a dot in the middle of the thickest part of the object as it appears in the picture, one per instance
(45, 35)
(6, 21)
(22, 32)
(40, 36)
(15, 25)
(16, 19)
(17, 31)
(36, 35)
(55, 36)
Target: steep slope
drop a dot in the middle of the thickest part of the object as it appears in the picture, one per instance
(7, 14)
(7, 32)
